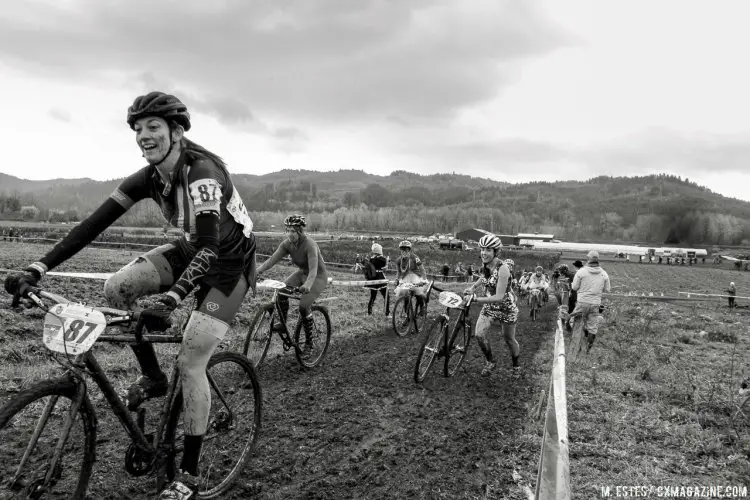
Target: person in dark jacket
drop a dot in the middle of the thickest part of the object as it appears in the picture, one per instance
(374, 271)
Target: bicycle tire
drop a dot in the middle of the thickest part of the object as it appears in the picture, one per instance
(82, 438)
(259, 336)
(458, 348)
(312, 362)
(421, 318)
(534, 306)
(233, 451)
(401, 319)
(430, 347)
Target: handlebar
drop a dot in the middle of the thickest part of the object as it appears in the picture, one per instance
(114, 316)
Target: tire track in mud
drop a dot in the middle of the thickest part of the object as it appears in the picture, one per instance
(359, 427)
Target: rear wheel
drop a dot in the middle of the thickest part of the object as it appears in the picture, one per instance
(402, 316)
(458, 346)
(259, 336)
(233, 423)
(430, 348)
(317, 345)
(45, 408)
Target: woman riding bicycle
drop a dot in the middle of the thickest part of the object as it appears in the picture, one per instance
(216, 257)
(311, 276)
(538, 281)
(499, 302)
(410, 270)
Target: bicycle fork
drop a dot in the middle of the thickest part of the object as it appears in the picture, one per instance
(77, 401)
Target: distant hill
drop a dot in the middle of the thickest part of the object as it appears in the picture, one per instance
(655, 208)
(9, 183)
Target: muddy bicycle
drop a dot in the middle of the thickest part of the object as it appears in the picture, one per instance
(535, 302)
(452, 345)
(309, 351)
(48, 430)
(407, 316)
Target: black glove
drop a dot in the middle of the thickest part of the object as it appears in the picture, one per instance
(157, 317)
(14, 283)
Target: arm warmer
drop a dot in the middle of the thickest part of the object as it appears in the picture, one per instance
(207, 229)
(84, 233)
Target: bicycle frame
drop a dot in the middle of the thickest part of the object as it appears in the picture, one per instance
(87, 364)
(411, 309)
(286, 336)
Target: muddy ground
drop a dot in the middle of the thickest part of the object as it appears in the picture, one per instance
(355, 427)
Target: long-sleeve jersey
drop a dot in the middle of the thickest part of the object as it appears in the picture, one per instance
(199, 198)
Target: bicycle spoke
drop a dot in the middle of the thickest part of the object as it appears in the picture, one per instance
(48, 444)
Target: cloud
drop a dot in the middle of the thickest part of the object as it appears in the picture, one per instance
(60, 114)
(667, 150)
(332, 59)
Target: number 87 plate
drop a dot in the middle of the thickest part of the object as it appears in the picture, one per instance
(72, 328)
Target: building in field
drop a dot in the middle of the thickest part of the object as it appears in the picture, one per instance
(474, 234)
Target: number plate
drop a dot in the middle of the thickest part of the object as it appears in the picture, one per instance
(271, 284)
(72, 328)
(450, 299)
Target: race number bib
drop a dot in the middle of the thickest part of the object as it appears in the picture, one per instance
(206, 195)
(239, 213)
(450, 299)
(72, 328)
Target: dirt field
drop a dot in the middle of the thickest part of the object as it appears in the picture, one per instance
(359, 427)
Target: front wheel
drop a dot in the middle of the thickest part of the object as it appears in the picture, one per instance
(233, 423)
(311, 350)
(458, 347)
(430, 348)
(46, 408)
(259, 336)
(402, 316)
(534, 307)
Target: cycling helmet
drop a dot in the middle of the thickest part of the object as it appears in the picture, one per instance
(295, 220)
(161, 105)
(490, 241)
(405, 244)
(510, 262)
(538, 269)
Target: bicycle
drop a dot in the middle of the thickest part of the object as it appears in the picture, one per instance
(62, 406)
(438, 342)
(405, 317)
(260, 332)
(535, 302)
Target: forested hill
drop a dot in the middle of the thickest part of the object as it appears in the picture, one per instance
(657, 208)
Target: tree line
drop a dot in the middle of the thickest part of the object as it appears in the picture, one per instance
(655, 209)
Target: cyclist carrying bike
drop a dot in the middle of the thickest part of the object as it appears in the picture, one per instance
(410, 270)
(311, 276)
(194, 190)
(493, 290)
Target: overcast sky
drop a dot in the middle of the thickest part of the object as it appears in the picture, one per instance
(513, 90)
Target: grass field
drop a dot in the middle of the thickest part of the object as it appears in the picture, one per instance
(654, 403)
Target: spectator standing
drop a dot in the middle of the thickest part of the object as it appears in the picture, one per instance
(591, 281)
(469, 273)
(374, 271)
(446, 270)
(358, 263)
(732, 292)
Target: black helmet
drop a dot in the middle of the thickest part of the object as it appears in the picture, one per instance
(295, 220)
(161, 105)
